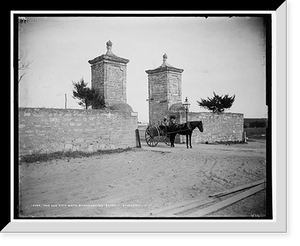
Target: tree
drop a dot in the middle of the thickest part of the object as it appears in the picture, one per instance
(217, 103)
(80, 92)
(97, 100)
(86, 96)
(23, 65)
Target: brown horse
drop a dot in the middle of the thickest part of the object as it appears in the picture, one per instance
(187, 130)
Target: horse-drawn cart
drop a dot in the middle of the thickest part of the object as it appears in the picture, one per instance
(155, 134)
(162, 133)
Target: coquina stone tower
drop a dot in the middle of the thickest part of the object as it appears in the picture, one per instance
(109, 77)
(164, 91)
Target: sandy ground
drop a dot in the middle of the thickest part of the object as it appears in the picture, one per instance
(138, 182)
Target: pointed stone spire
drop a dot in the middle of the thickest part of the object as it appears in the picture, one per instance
(109, 55)
(164, 66)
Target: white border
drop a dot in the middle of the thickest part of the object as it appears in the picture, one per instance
(279, 158)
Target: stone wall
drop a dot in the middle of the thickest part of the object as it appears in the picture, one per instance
(44, 130)
(224, 127)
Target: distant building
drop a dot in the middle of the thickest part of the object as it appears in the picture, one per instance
(255, 122)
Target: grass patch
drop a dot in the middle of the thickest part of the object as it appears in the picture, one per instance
(44, 157)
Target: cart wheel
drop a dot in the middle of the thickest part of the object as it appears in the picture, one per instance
(151, 135)
(167, 140)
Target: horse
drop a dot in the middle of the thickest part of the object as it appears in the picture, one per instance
(187, 130)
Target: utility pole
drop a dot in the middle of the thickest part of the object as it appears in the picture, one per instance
(65, 101)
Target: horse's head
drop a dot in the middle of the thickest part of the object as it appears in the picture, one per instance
(200, 126)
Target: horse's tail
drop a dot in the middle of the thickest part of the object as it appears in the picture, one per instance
(201, 125)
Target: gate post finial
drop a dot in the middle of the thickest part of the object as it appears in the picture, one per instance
(108, 47)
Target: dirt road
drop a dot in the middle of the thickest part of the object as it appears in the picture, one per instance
(137, 182)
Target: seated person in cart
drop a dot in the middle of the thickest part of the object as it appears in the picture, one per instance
(171, 125)
(165, 125)
(165, 122)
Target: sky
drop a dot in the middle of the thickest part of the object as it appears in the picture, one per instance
(218, 54)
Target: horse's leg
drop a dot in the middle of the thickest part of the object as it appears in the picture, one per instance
(190, 140)
(187, 141)
(172, 140)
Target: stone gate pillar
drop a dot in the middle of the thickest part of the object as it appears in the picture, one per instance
(109, 76)
(164, 90)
